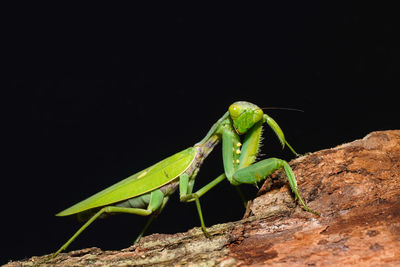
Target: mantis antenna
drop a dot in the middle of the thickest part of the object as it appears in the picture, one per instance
(279, 108)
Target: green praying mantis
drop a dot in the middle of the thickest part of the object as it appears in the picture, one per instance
(147, 192)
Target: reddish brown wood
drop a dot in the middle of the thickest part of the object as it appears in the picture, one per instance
(355, 187)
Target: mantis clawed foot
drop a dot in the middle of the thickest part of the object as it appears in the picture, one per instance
(196, 199)
(304, 205)
(207, 234)
(311, 211)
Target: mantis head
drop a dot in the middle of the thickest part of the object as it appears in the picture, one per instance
(244, 115)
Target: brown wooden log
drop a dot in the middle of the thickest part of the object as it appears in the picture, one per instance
(355, 187)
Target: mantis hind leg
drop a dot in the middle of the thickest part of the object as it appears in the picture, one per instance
(156, 202)
(260, 170)
(241, 195)
(151, 219)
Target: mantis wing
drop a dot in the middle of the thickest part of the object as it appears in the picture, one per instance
(139, 183)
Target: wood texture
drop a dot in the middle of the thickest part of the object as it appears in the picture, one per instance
(355, 187)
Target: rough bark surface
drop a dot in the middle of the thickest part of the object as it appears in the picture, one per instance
(355, 187)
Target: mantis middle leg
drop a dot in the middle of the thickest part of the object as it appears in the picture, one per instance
(187, 196)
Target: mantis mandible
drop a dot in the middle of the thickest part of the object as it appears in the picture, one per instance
(146, 193)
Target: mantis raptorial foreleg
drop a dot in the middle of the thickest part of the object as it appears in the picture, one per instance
(244, 170)
(279, 133)
(146, 192)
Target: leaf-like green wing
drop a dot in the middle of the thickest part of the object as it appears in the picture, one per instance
(139, 183)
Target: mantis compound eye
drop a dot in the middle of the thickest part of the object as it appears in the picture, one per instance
(244, 115)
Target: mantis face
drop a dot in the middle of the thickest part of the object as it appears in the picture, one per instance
(244, 115)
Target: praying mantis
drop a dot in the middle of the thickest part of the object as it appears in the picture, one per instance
(146, 193)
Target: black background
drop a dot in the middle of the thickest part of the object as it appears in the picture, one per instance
(100, 92)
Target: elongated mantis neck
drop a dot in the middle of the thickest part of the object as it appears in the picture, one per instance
(207, 144)
(213, 131)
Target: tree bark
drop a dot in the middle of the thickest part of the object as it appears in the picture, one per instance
(355, 187)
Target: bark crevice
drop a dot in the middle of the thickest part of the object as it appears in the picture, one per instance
(355, 187)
